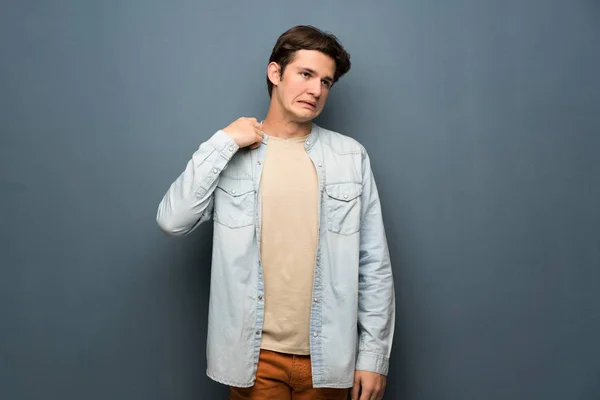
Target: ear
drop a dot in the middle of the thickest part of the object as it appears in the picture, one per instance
(274, 73)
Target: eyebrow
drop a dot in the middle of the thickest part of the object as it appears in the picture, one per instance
(312, 71)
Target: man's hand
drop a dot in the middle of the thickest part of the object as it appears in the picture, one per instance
(369, 385)
(245, 132)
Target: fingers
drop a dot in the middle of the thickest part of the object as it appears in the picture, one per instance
(376, 393)
(356, 387)
(254, 122)
(355, 391)
(369, 385)
(366, 394)
(369, 392)
(259, 136)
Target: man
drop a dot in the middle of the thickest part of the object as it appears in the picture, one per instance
(302, 295)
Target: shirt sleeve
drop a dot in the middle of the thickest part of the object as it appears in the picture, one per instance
(189, 200)
(376, 296)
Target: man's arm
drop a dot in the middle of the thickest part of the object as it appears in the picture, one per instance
(376, 296)
(189, 200)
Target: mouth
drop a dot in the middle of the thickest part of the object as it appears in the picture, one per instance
(310, 104)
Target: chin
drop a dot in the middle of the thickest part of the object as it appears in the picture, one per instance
(302, 117)
(307, 115)
(305, 118)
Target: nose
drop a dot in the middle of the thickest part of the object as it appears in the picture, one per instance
(315, 88)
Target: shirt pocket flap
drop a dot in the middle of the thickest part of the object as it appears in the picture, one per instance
(344, 191)
(235, 187)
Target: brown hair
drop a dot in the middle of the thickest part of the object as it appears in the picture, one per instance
(307, 37)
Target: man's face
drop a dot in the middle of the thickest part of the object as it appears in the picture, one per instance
(303, 89)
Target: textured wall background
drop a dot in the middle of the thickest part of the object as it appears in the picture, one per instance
(483, 123)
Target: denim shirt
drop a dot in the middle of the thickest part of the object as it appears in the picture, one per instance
(353, 309)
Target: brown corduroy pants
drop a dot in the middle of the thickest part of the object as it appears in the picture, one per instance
(285, 377)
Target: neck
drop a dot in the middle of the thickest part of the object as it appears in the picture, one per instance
(279, 125)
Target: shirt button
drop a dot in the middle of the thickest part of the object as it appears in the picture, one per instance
(231, 148)
(215, 170)
(233, 191)
(315, 334)
(308, 142)
(345, 196)
(258, 332)
(316, 300)
(260, 297)
(319, 165)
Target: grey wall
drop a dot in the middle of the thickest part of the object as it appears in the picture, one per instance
(483, 122)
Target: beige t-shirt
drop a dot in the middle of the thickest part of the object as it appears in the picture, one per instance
(290, 198)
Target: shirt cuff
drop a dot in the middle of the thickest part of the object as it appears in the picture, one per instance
(372, 362)
(224, 144)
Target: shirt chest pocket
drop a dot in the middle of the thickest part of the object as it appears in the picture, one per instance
(234, 202)
(343, 202)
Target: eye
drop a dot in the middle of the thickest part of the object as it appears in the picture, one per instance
(305, 74)
(326, 83)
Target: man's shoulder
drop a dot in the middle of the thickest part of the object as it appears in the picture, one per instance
(340, 143)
